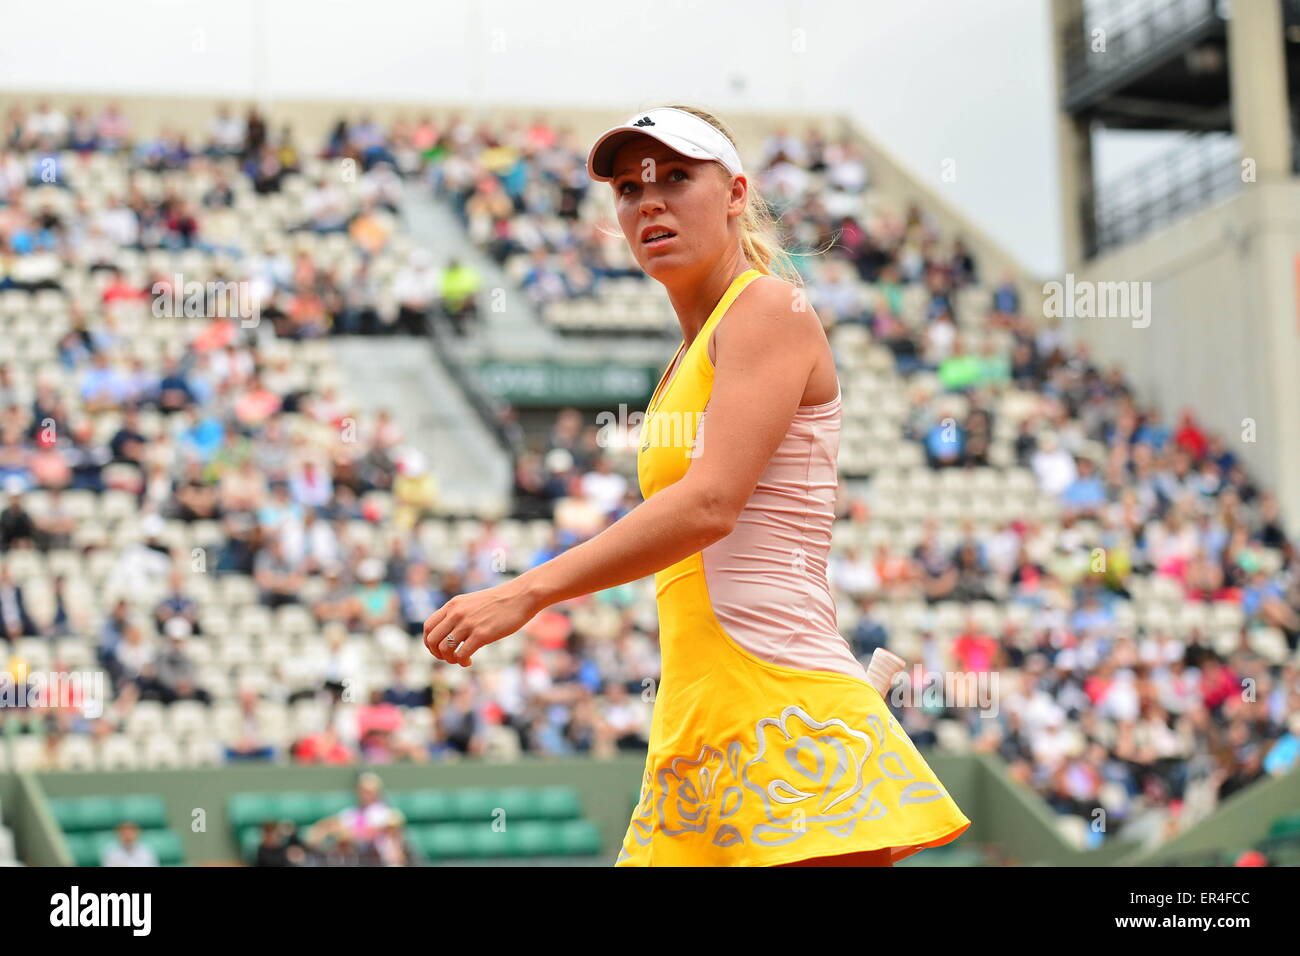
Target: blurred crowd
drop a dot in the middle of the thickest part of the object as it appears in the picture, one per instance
(303, 297)
(1094, 712)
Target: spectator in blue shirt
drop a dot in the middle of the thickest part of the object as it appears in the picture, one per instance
(174, 392)
(1091, 616)
(205, 435)
(1086, 495)
(1005, 298)
(418, 598)
(945, 443)
(128, 443)
(1282, 756)
(1152, 433)
(103, 387)
(869, 633)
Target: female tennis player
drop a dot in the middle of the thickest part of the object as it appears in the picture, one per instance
(768, 744)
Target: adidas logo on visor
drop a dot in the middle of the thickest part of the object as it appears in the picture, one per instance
(644, 121)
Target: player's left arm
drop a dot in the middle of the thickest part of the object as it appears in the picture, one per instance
(767, 347)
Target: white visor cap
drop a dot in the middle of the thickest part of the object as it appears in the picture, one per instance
(678, 130)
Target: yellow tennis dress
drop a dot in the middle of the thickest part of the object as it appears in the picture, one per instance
(767, 743)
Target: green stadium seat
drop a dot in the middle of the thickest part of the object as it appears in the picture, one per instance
(486, 842)
(425, 806)
(94, 845)
(558, 803)
(1285, 826)
(144, 810)
(333, 801)
(475, 804)
(579, 838)
(537, 838)
(447, 841)
(86, 814)
(519, 803)
(301, 808)
(166, 845)
(83, 814)
(251, 809)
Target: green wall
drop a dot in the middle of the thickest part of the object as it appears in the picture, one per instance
(1001, 812)
(605, 788)
(1004, 814)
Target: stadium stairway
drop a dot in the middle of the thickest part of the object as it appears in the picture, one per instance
(473, 473)
(515, 329)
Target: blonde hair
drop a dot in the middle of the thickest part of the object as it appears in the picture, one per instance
(759, 235)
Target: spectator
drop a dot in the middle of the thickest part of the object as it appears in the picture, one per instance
(415, 492)
(323, 747)
(419, 598)
(177, 673)
(280, 845)
(624, 718)
(17, 529)
(367, 819)
(14, 619)
(854, 574)
(127, 850)
(378, 599)
(603, 486)
(177, 604)
(251, 742)
(415, 287)
(279, 580)
(1053, 466)
(458, 286)
(869, 633)
(391, 844)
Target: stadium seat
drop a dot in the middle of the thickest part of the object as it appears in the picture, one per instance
(426, 806)
(161, 751)
(118, 752)
(80, 814)
(1287, 826)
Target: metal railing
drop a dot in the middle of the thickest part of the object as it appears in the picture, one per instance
(1114, 34)
(1200, 170)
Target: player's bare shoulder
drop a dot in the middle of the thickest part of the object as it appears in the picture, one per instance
(774, 311)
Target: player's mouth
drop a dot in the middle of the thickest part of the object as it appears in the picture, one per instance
(656, 237)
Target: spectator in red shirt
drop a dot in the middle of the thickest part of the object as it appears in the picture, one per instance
(324, 747)
(975, 651)
(257, 404)
(378, 716)
(118, 289)
(1190, 438)
(1218, 683)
